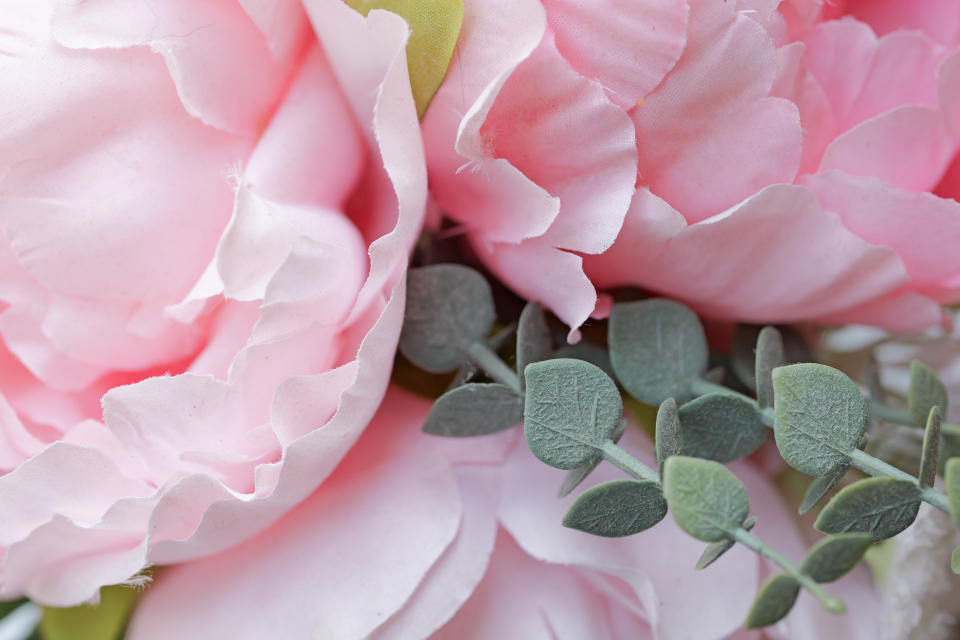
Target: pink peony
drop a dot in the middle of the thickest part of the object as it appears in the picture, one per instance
(786, 155)
(415, 537)
(238, 355)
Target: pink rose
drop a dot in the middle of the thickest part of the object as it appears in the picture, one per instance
(786, 155)
(415, 536)
(238, 355)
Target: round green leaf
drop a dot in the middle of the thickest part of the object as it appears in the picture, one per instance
(720, 426)
(774, 601)
(657, 347)
(449, 307)
(716, 549)
(533, 336)
(575, 476)
(820, 487)
(572, 409)
(819, 417)
(834, 556)
(589, 351)
(952, 486)
(955, 560)
(668, 442)
(617, 508)
(881, 506)
(925, 392)
(706, 500)
(931, 449)
(474, 409)
(769, 357)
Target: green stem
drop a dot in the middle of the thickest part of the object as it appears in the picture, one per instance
(485, 358)
(903, 418)
(745, 538)
(627, 463)
(880, 469)
(701, 387)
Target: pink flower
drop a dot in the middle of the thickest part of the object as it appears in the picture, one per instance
(416, 537)
(785, 154)
(238, 355)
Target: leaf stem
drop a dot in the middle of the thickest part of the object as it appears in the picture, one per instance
(618, 457)
(487, 359)
(903, 418)
(747, 539)
(879, 469)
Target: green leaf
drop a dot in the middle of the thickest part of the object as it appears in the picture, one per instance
(617, 508)
(881, 506)
(952, 486)
(657, 347)
(716, 549)
(104, 621)
(707, 500)
(572, 409)
(819, 417)
(925, 392)
(834, 556)
(720, 426)
(533, 336)
(774, 601)
(474, 409)
(588, 351)
(743, 355)
(769, 357)
(434, 28)
(955, 560)
(668, 439)
(821, 486)
(449, 307)
(575, 476)
(931, 449)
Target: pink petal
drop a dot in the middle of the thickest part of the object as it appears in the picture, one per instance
(711, 122)
(282, 22)
(628, 47)
(345, 559)
(939, 19)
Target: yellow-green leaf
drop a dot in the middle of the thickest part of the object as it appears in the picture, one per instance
(434, 28)
(105, 621)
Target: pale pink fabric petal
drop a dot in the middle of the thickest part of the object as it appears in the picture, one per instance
(781, 227)
(282, 22)
(948, 92)
(939, 19)
(902, 311)
(712, 123)
(839, 55)
(922, 228)
(344, 560)
(628, 47)
(218, 58)
(17, 444)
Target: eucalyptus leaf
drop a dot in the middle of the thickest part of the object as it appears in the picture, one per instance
(668, 439)
(716, 549)
(657, 347)
(834, 556)
(720, 426)
(715, 375)
(819, 417)
(588, 351)
(872, 375)
(774, 601)
(821, 486)
(951, 485)
(881, 506)
(769, 357)
(931, 449)
(955, 560)
(949, 448)
(575, 476)
(572, 409)
(533, 336)
(707, 500)
(618, 508)
(925, 392)
(743, 355)
(474, 409)
(449, 307)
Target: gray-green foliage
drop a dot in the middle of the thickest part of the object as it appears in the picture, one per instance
(474, 409)
(706, 500)
(952, 486)
(820, 417)
(617, 508)
(533, 336)
(955, 560)
(773, 601)
(835, 555)
(572, 409)
(925, 392)
(820, 487)
(931, 449)
(449, 307)
(769, 357)
(668, 439)
(657, 348)
(589, 351)
(575, 476)
(720, 426)
(716, 549)
(881, 506)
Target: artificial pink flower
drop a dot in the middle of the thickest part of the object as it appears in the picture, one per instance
(238, 355)
(785, 154)
(416, 537)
